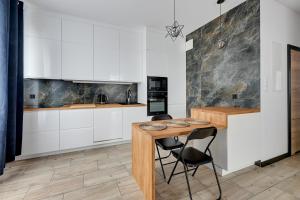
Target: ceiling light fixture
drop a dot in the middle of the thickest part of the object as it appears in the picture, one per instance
(221, 41)
(175, 29)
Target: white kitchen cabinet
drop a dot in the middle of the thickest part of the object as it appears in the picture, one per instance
(77, 50)
(40, 121)
(42, 58)
(106, 54)
(108, 124)
(42, 25)
(40, 132)
(76, 119)
(76, 138)
(42, 45)
(157, 63)
(76, 128)
(42, 142)
(131, 115)
(130, 56)
(156, 53)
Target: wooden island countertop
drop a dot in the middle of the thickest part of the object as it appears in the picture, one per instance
(219, 115)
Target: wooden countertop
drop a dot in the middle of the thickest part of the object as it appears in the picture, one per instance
(172, 131)
(219, 115)
(84, 106)
(228, 110)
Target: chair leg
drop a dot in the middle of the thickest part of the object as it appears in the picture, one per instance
(220, 190)
(162, 167)
(195, 171)
(187, 181)
(173, 171)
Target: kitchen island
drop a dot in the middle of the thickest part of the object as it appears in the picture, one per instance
(237, 146)
(234, 148)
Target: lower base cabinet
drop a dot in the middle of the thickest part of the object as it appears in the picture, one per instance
(40, 142)
(108, 124)
(52, 131)
(131, 115)
(40, 132)
(76, 138)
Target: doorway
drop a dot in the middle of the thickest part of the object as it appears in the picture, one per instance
(294, 99)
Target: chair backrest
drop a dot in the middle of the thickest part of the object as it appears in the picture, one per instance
(202, 133)
(161, 117)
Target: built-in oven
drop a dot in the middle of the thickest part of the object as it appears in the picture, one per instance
(157, 103)
(157, 84)
(157, 95)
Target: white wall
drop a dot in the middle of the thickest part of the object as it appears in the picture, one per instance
(281, 26)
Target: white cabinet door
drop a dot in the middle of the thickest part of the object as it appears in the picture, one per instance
(76, 128)
(42, 58)
(42, 25)
(76, 138)
(106, 54)
(40, 132)
(42, 45)
(76, 119)
(130, 56)
(40, 121)
(77, 50)
(157, 63)
(41, 142)
(108, 124)
(131, 115)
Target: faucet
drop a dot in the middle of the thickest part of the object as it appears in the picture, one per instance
(128, 96)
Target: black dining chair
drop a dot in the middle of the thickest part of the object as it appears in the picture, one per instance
(192, 157)
(166, 144)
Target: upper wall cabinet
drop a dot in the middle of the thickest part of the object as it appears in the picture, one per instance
(156, 58)
(42, 25)
(106, 54)
(77, 50)
(130, 56)
(42, 45)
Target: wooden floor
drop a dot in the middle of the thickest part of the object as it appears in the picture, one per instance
(105, 174)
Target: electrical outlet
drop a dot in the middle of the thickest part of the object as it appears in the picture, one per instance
(234, 96)
(32, 96)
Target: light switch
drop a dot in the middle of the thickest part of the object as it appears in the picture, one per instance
(189, 45)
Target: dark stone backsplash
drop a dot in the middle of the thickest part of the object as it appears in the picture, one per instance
(213, 75)
(53, 93)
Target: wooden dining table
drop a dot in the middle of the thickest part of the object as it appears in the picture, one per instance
(143, 153)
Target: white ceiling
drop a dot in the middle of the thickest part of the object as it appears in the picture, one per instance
(154, 13)
(293, 4)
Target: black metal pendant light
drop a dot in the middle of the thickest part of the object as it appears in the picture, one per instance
(221, 41)
(175, 29)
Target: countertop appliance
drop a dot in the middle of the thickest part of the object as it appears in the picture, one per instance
(157, 95)
(102, 99)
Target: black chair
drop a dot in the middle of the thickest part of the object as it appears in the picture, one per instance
(167, 144)
(191, 157)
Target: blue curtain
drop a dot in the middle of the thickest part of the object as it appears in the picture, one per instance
(11, 80)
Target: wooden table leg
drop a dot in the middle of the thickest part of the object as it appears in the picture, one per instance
(143, 162)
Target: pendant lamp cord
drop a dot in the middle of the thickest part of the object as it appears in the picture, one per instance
(221, 20)
(174, 11)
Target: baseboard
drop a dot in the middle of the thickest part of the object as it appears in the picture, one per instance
(272, 160)
(99, 145)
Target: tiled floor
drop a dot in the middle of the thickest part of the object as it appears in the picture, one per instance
(104, 174)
